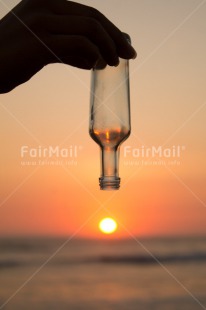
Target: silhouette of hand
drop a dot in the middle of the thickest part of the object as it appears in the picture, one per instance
(38, 32)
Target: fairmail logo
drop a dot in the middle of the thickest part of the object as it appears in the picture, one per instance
(161, 152)
(51, 151)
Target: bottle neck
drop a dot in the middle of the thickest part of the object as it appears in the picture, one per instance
(109, 179)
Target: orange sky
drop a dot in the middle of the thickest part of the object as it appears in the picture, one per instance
(168, 101)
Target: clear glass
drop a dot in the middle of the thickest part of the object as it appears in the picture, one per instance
(110, 118)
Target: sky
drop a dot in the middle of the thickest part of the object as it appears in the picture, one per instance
(159, 195)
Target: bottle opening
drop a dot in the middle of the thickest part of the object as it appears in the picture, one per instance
(109, 183)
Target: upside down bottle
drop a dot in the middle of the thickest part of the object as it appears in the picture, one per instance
(110, 118)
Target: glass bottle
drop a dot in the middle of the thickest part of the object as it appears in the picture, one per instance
(110, 118)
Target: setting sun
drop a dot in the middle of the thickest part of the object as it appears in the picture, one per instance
(108, 225)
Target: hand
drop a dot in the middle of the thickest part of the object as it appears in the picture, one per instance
(38, 32)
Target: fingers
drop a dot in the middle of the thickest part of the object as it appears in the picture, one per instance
(89, 28)
(78, 62)
(123, 47)
(74, 50)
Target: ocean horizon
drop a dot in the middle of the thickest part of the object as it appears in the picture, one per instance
(150, 273)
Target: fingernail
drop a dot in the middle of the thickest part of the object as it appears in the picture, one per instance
(127, 37)
(132, 50)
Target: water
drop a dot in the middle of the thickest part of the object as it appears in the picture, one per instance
(99, 275)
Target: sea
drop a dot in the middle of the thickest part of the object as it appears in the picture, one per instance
(80, 274)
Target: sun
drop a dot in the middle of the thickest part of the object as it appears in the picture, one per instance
(108, 225)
